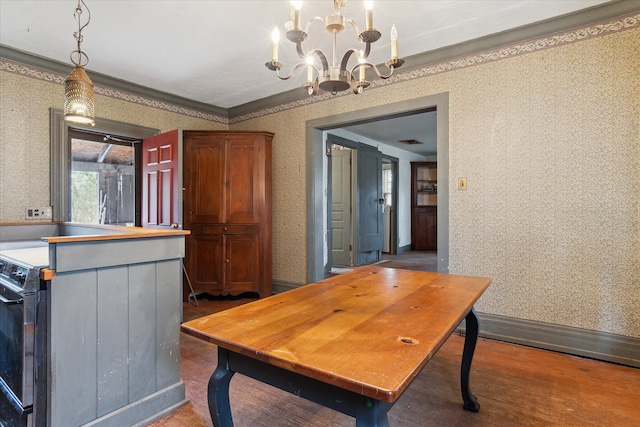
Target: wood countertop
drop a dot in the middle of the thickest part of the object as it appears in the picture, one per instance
(66, 232)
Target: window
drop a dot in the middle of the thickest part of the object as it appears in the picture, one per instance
(387, 183)
(93, 172)
(102, 178)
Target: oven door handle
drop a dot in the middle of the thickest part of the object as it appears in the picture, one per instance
(11, 301)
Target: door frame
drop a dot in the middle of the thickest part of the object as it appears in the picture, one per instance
(316, 175)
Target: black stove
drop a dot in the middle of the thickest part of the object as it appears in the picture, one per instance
(23, 333)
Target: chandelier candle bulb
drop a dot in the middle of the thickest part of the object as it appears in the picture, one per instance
(309, 69)
(394, 42)
(275, 38)
(368, 6)
(297, 5)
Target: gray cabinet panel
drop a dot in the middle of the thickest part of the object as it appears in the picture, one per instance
(168, 322)
(142, 336)
(113, 341)
(73, 339)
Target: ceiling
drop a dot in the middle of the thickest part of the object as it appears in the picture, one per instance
(214, 51)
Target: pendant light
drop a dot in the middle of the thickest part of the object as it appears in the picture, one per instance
(79, 104)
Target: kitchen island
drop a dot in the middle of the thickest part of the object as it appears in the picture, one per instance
(112, 346)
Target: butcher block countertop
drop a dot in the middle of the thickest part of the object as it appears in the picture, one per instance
(66, 232)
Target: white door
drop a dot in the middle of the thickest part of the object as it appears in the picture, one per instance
(341, 207)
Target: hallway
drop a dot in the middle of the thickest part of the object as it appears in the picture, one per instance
(412, 260)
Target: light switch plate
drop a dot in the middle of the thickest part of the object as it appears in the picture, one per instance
(462, 183)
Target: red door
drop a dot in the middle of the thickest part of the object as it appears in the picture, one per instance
(161, 195)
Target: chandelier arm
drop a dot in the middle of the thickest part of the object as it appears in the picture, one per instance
(354, 24)
(375, 69)
(320, 54)
(367, 50)
(315, 18)
(345, 58)
(295, 67)
(301, 53)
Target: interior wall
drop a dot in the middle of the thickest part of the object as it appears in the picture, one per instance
(25, 99)
(548, 141)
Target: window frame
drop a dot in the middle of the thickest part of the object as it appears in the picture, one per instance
(60, 158)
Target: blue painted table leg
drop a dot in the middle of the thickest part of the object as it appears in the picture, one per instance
(470, 340)
(218, 392)
(372, 413)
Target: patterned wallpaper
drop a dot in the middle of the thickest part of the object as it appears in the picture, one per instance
(26, 95)
(549, 140)
(547, 133)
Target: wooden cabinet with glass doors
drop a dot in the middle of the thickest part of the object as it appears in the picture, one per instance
(424, 206)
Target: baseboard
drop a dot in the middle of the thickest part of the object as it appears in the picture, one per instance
(579, 342)
(144, 410)
(403, 249)
(279, 286)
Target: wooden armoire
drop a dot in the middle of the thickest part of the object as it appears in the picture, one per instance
(227, 208)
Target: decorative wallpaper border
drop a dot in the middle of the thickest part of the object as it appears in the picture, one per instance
(562, 38)
(507, 51)
(40, 74)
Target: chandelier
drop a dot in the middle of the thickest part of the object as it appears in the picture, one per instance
(334, 77)
(78, 88)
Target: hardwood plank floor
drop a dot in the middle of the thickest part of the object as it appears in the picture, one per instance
(515, 385)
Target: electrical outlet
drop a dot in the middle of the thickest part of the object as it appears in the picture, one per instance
(462, 183)
(38, 214)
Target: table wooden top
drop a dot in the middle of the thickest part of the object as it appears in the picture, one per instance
(370, 331)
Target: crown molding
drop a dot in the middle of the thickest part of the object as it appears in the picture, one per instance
(444, 59)
(116, 88)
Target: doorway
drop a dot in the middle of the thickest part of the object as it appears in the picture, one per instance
(355, 199)
(317, 174)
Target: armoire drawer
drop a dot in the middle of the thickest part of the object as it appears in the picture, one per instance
(226, 228)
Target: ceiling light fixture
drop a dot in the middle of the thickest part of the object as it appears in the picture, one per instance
(79, 104)
(334, 78)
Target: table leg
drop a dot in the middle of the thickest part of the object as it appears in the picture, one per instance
(218, 391)
(470, 340)
(372, 413)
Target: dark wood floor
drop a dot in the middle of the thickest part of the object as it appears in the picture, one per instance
(515, 385)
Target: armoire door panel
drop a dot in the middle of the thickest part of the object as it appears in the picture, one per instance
(208, 275)
(241, 263)
(208, 184)
(243, 182)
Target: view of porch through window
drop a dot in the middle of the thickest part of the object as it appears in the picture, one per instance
(102, 180)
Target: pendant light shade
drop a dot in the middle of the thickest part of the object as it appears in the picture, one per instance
(79, 104)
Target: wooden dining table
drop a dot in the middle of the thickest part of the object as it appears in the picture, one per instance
(353, 342)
